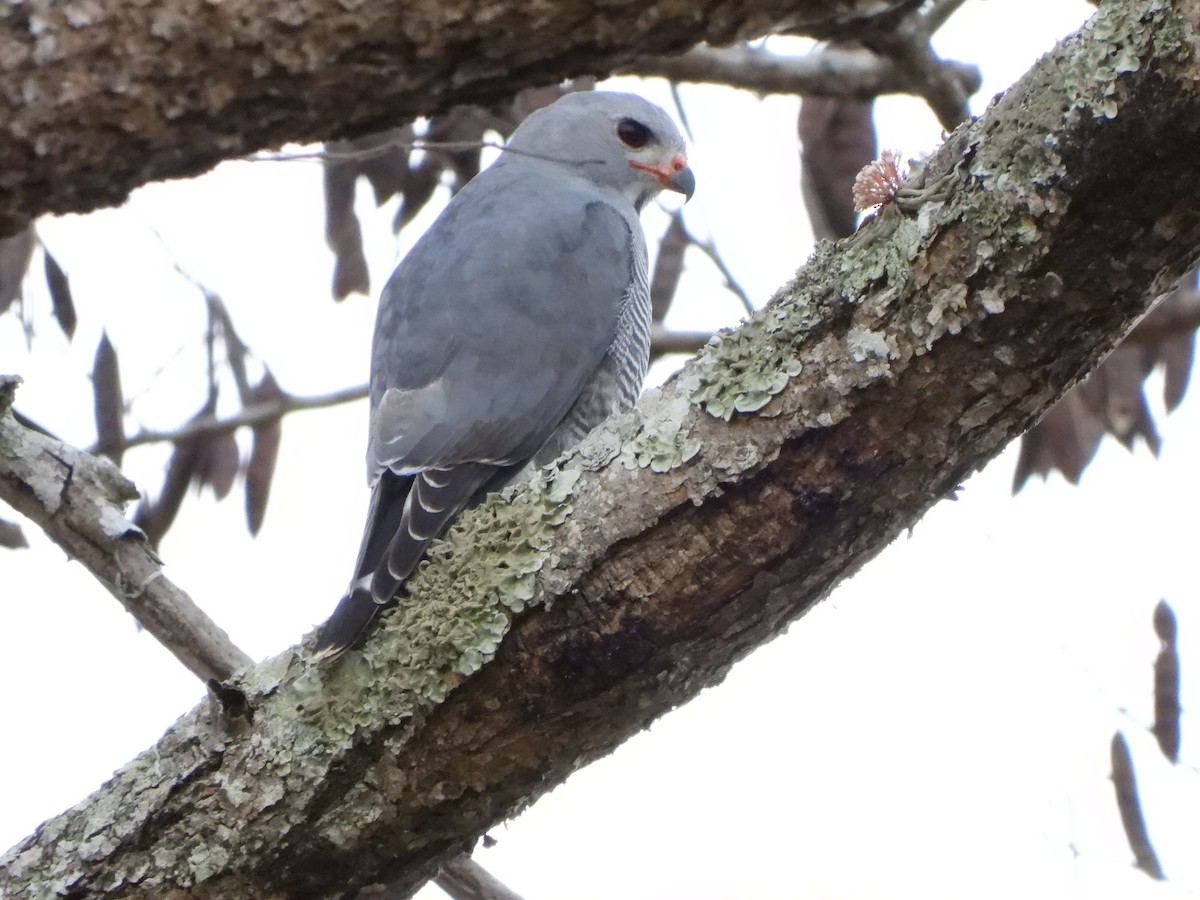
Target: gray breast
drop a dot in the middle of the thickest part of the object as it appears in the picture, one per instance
(617, 382)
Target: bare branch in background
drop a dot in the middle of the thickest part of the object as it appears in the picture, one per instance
(465, 879)
(251, 415)
(929, 77)
(664, 341)
(838, 73)
(709, 249)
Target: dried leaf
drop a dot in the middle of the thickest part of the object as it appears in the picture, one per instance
(1177, 354)
(422, 182)
(154, 518)
(60, 294)
(16, 252)
(342, 231)
(108, 401)
(1166, 683)
(1131, 809)
(1114, 394)
(1111, 400)
(386, 165)
(11, 535)
(264, 450)
(207, 459)
(668, 267)
(217, 462)
(1066, 439)
(837, 136)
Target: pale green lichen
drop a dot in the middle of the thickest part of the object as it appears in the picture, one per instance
(483, 571)
(1121, 36)
(663, 440)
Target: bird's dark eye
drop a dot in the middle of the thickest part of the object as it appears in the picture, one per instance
(633, 133)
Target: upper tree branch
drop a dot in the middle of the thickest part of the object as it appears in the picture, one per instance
(829, 73)
(103, 97)
(673, 541)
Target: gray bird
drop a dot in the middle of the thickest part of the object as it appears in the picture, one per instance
(519, 320)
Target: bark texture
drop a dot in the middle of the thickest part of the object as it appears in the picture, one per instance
(100, 97)
(562, 617)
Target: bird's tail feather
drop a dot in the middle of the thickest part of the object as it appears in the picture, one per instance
(406, 513)
(354, 613)
(358, 607)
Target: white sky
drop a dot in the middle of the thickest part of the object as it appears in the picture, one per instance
(938, 729)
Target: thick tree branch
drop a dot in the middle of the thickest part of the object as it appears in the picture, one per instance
(564, 616)
(103, 97)
(829, 73)
(79, 501)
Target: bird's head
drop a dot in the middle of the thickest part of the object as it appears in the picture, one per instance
(619, 141)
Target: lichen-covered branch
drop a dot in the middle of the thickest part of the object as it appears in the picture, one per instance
(79, 501)
(561, 617)
(100, 98)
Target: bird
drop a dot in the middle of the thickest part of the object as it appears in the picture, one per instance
(517, 322)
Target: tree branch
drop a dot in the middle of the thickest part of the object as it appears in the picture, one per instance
(563, 616)
(78, 500)
(829, 73)
(465, 879)
(195, 82)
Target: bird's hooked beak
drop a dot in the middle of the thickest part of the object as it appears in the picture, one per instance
(674, 176)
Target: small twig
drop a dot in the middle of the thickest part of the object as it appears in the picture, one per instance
(683, 118)
(389, 146)
(255, 414)
(664, 341)
(709, 249)
(465, 879)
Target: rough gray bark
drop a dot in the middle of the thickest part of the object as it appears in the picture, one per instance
(564, 616)
(99, 98)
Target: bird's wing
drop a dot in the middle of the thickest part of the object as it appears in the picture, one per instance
(490, 329)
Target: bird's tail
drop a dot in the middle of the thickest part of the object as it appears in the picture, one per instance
(406, 513)
(358, 606)
(354, 612)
